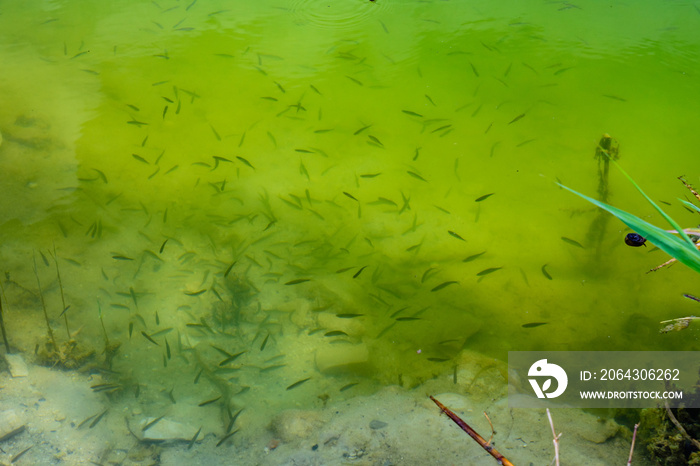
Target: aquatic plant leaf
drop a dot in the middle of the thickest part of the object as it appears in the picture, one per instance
(659, 209)
(672, 245)
(690, 205)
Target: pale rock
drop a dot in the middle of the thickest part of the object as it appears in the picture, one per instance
(18, 368)
(165, 429)
(11, 424)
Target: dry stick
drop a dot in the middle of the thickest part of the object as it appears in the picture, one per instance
(43, 304)
(478, 438)
(60, 285)
(680, 427)
(556, 439)
(634, 437)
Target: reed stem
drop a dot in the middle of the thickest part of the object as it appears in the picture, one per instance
(60, 285)
(2, 327)
(43, 305)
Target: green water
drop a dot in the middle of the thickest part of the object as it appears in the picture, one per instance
(307, 140)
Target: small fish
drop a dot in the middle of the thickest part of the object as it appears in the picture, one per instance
(408, 112)
(136, 123)
(426, 273)
(476, 73)
(119, 257)
(416, 176)
(245, 162)
(226, 437)
(350, 196)
(148, 337)
(370, 175)
(441, 128)
(140, 159)
(164, 331)
(228, 270)
(473, 257)
(199, 374)
(194, 439)
(544, 272)
(438, 359)
(335, 333)
(572, 242)
(296, 384)
(348, 386)
(231, 358)
(344, 269)
(162, 246)
(20, 454)
(488, 271)
(410, 319)
(297, 281)
(614, 97)
(216, 134)
(348, 316)
(361, 130)
(357, 274)
(195, 293)
(356, 81)
(98, 418)
(455, 235)
(152, 423)
(208, 402)
(534, 324)
(442, 285)
(272, 368)
(516, 118)
(484, 197)
(375, 140)
(264, 343)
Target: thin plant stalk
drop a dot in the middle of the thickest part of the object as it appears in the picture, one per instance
(634, 437)
(99, 313)
(43, 305)
(60, 285)
(2, 326)
(556, 439)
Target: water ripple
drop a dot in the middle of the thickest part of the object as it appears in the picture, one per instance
(335, 14)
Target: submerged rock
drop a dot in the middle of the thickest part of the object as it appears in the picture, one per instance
(295, 424)
(17, 366)
(10, 425)
(167, 430)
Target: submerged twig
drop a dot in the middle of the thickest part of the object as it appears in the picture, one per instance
(677, 324)
(473, 434)
(680, 427)
(634, 437)
(556, 438)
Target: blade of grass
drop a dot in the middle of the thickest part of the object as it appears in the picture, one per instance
(685, 253)
(690, 205)
(659, 209)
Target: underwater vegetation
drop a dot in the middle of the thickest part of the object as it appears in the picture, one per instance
(669, 434)
(217, 212)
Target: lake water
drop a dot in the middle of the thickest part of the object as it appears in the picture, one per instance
(373, 183)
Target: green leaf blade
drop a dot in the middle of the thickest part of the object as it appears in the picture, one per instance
(674, 246)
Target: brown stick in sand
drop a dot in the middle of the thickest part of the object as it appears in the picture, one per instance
(472, 433)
